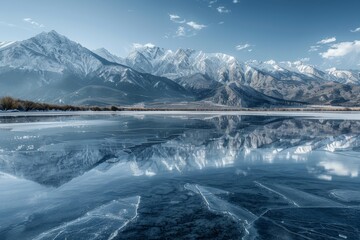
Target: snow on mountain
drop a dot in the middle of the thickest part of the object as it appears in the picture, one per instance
(222, 67)
(213, 77)
(345, 76)
(102, 52)
(49, 52)
(51, 67)
(184, 62)
(297, 71)
(297, 81)
(3, 45)
(209, 75)
(301, 71)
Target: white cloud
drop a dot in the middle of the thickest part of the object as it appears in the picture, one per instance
(195, 25)
(7, 24)
(186, 29)
(342, 49)
(32, 22)
(243, 46)
(211, 3)
(344, 55)
(139, 45)
(235, 1)
(180, 32)
(327, 40)
(355, 30)
(314, 48)
(221, 22)
(176, 18)
(222, 9)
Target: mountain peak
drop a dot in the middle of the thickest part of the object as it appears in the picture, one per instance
(102, 50)
(104, 53)
(51, 36)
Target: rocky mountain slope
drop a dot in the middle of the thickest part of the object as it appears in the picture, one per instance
(299, 81)
(50, 67)
(292, 81)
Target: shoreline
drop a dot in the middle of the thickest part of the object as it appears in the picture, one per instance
(341, 115)
(225, 109)
(12, 105)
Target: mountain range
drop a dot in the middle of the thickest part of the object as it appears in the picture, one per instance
(49, 67)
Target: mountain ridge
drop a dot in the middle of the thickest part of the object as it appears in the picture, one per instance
(289, 81)
(50, 67)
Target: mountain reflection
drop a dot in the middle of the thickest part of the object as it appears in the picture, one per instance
(54, 152)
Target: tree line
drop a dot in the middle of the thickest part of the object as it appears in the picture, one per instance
(8, 103)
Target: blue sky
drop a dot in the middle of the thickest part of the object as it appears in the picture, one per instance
(323, 32)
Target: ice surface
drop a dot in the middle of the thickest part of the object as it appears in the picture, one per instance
(48, 189)
(340, 168)
(303, 114)
(308, 216)
(298, 198)
(103, 222)
(310, 223)
(35, 126)
(345, 195)
(218, 205)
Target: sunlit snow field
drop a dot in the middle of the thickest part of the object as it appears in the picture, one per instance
(179, 176)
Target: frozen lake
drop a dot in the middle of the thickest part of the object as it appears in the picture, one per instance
(180, 176)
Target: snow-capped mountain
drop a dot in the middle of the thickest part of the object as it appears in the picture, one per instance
(345, 76)
(185, 62)
(200, 72)
(102, 52)
(300, 81)
(60, 53)
(297, 71)
(222, 67)
(50, 67)
(214, 77)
